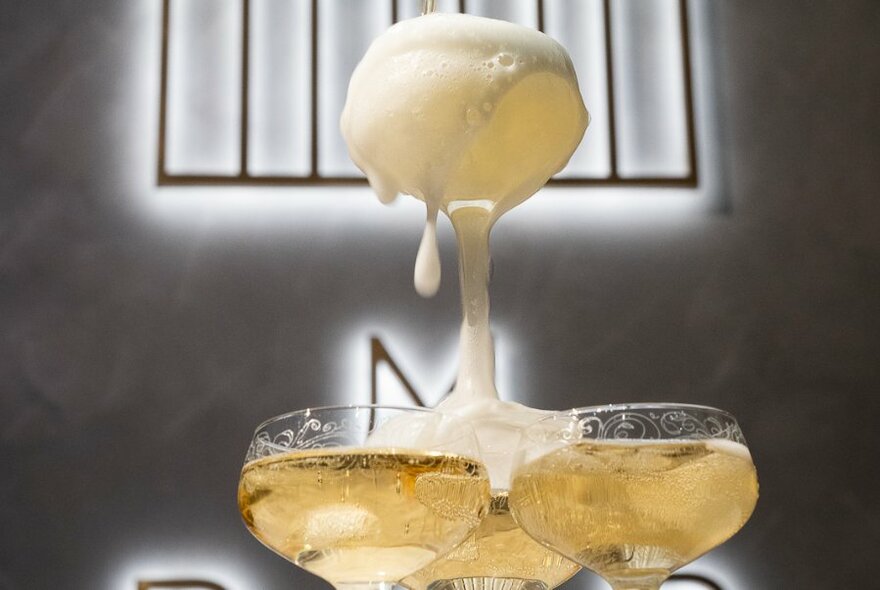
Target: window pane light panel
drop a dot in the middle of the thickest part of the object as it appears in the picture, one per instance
(204, 84)
(345, 30)
(252, 90)
(650, 86)
(580, 26)
(280, 62)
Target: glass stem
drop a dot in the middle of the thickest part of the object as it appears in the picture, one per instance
(639, 583)
(428, 6)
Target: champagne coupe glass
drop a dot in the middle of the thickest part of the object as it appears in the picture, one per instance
(363, 496)
(499, 555)
(634, 492)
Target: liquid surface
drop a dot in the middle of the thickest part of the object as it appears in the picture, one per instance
(499, 548)
(362, 515)
(631, 510)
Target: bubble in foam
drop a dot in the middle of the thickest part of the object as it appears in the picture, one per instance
(474, 117)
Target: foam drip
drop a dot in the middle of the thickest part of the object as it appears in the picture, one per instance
(472, 116)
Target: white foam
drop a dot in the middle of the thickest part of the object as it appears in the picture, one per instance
(729, 447)
(499, 426)
(428, 90)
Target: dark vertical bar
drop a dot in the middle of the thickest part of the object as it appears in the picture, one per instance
(612, 111)
(379, 354)
(314, 93)
(540, 15)
(163, 92)
(689, 90)
(375, 354)
(394, 12)
(245, 84)
(462, 6)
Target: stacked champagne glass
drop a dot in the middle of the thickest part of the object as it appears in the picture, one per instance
(371, 497)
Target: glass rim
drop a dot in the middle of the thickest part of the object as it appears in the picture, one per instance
(307, 411)
(638, 406)
(656, 419)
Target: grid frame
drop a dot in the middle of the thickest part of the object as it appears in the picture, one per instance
(314, 177)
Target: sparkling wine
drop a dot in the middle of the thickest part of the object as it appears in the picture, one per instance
(362, 515)
(632, 509)
(499, 549)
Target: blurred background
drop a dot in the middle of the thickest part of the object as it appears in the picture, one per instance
(185, 250)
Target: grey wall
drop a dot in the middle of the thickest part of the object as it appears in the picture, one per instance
(141, 339)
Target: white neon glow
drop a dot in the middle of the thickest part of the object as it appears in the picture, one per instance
(280, 78)
(431, 368)
(204, 87)
(353, 211)
(183, 564)
(729, 573)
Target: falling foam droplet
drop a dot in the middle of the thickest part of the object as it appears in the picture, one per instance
(385, 193)
(427, 272)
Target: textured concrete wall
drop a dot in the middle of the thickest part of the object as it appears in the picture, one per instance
(142, 336)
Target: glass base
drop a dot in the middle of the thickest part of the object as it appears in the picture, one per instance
(487, 584)
(638, 582)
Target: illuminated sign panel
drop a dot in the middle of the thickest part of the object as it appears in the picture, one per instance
(252, 90)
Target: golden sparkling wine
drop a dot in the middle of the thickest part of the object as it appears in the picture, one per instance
(632, 509)
(363, 515)
(499, 548)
